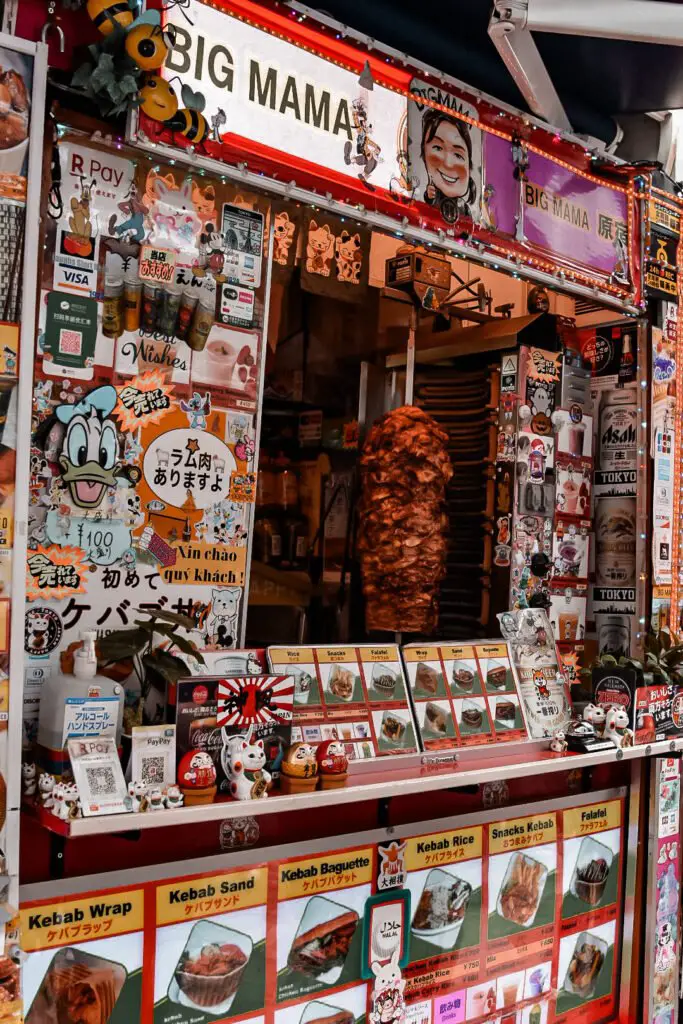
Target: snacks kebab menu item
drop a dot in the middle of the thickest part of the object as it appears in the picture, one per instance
(464, 695)
(405, 470)
(354, 694)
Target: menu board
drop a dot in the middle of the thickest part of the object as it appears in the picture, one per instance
(84, 951)
(354, 694)
(464, 695)
(210, 947)
(517, 919)
(509, 919)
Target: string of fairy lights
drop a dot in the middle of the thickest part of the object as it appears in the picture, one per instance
(269, 19)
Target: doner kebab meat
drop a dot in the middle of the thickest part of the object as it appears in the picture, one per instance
(403, 524)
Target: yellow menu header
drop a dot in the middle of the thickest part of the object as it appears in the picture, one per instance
(326, 874)
(518, 833)
(443, 848)
(457, 653)
(582, 821)
(421, 653)
(335, 655)
(291, 655)
(82, 920)
(206, 896)
(491, 651)
(379, 654)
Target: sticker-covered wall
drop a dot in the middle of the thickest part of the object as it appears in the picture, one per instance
(144, 407)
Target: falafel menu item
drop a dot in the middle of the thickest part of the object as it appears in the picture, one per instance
(354, 694)
(464, 695)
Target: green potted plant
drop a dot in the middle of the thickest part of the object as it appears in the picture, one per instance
(148, 651)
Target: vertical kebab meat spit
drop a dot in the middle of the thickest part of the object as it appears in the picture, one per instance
(405, 469)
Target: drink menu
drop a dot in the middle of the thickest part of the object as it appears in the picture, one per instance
(512, 919)
(354, 694)
(464, 695)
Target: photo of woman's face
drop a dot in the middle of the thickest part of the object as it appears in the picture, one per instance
(447, 161)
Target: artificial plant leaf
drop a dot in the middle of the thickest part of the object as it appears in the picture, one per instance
(168, 665)
(81, 77)
(129, 85)
(609, 659)
(123, 643)
(664, 639)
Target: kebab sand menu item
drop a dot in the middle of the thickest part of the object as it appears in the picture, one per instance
(354, 694)
(464, 695)
(210, 947)
(84, 952)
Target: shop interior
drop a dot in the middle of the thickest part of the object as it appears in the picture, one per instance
(335, 365)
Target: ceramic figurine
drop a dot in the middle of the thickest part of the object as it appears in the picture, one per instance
(173, 797)
(28, 778)
(595, 714)
(136, 792)
(616, 727)
(333, 764)
(243, 762)
(558, 743)
(196, 778)
(299, 769)
(72, 800)
(155, 800)
(60, 808)
(46, 784)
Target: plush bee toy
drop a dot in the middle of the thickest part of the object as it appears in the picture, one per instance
(159, 102)
(132, 46)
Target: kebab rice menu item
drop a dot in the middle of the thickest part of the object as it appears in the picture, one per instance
(464, 695)
(354, 694)
(210, 946)
(321, 901)
(444, 877)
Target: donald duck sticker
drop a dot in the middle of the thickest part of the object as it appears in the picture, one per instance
(90, 451)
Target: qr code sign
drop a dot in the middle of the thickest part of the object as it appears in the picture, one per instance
(101, 780)
(70, 343)
(153, 771)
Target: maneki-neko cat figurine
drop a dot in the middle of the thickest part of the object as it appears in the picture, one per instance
(333, 764)
(299, 769)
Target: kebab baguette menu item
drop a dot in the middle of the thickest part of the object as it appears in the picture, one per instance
(354, 694)
(464, 695)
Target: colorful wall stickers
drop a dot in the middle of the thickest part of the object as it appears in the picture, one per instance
(143, 444)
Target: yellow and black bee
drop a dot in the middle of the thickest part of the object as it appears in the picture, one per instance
(106, 14)
(149, 44)
(189, 120)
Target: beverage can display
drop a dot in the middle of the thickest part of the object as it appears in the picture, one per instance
(618, 430)
(615, 534)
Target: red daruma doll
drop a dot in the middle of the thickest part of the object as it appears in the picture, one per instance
(333, 764)
(197, 778)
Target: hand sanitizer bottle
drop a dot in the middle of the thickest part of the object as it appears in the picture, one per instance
(83, 705)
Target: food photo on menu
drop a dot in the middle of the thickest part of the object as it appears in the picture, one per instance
(446, 909)
(590, 872)
(585, 966)
(80, 985)
(521, 890)
(346, 1007)
(319, 941)
(210, 969)
(464, 677)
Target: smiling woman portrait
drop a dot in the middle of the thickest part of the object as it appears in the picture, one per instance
(446, 151)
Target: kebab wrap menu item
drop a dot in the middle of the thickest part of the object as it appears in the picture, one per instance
(78, 988)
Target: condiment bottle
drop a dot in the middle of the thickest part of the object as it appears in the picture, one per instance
(202, 322)
(112, 308)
